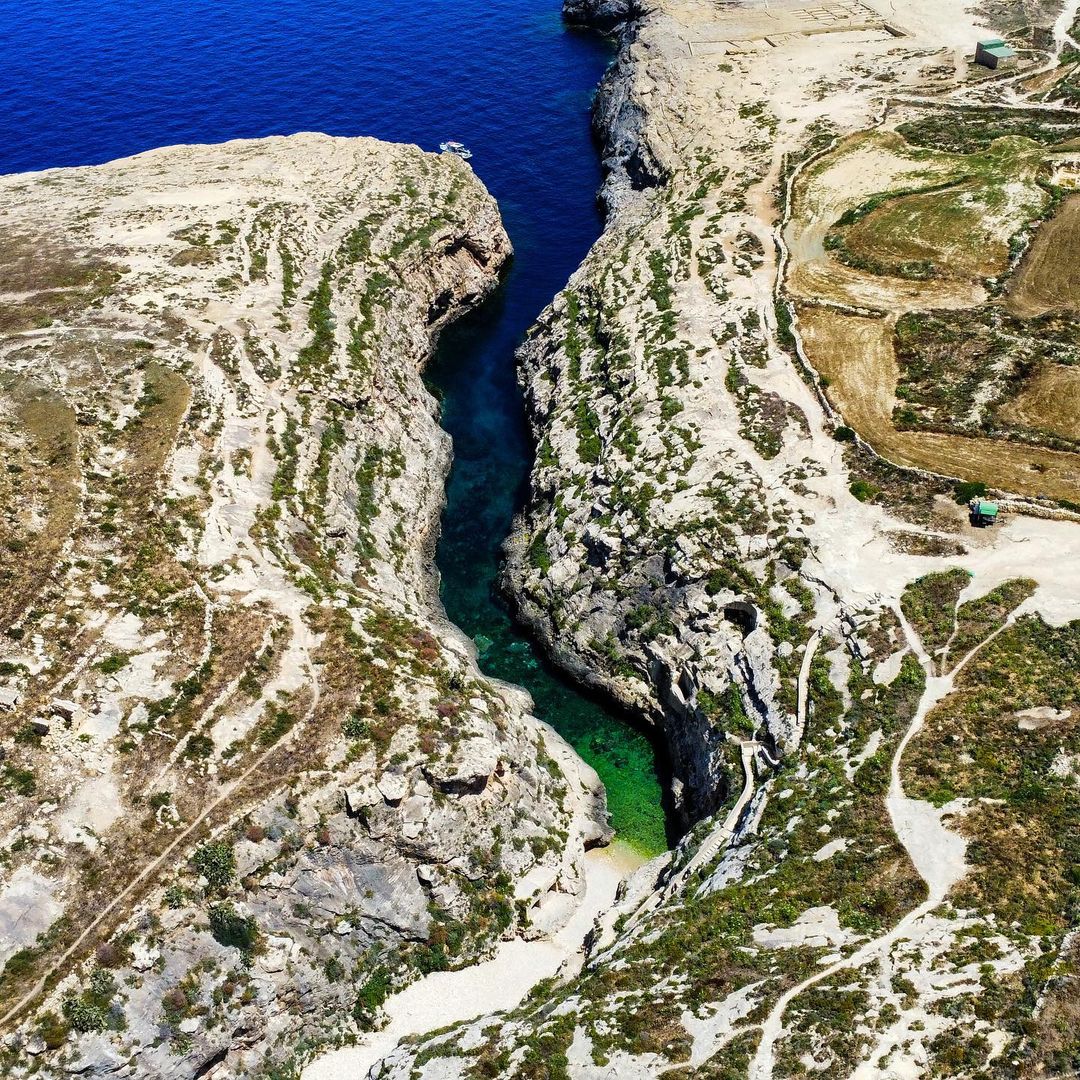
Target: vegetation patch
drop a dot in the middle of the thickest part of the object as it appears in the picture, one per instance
(1024, 822)
(961, 372)
(970, 130)
(929, 604)
(977, 619)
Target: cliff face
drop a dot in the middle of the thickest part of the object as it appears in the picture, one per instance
(598, 14)
(251, 778)
(650, 559)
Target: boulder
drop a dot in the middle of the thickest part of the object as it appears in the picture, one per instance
(64, 708)
(341, 883)
(361, 797)
(467, 770)
(393, 787)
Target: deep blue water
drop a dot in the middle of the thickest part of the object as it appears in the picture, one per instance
(84, 81)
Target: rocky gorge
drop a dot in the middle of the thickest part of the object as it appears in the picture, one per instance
(253, 781)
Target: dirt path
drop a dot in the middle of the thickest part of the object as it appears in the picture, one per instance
(39, 987)
(804, 688)
(450, 997)
(935, 852)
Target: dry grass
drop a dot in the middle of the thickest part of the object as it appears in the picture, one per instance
(41, 281)
(42, 477)
(1049, 276)
(855, 355)
(948, 229)
(165, 396)
(1050, 402)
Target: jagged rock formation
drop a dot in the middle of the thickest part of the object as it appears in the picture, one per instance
(599, 14)
(250, 778)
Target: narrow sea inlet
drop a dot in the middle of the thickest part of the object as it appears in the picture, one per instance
(103, 79)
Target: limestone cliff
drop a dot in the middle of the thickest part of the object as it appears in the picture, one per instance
(251, 779)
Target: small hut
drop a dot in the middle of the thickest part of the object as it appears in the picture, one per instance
(983, 513)
(992, 52)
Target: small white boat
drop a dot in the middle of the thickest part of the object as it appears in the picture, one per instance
(452, 147)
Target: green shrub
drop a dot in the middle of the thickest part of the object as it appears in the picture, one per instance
(21, 963)
(864, 491)
(965, 492)
(83, 1017)
(52, 1030)
(278, 723)
(22, 780)
(370, 999)
(232, 929)
(175, 896)
(199, 746)
(844, 434)
(112, 664)
(539, 556)
(216, 862)
(355, 727)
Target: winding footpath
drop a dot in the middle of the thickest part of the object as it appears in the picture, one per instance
(936, 852)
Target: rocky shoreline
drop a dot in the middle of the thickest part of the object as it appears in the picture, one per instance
(636, 164)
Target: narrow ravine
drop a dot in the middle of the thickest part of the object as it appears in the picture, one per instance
(473, 375)
(551, 213)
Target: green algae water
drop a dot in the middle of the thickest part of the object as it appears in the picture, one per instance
(103, 79)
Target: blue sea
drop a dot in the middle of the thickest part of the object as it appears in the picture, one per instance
(85, 81)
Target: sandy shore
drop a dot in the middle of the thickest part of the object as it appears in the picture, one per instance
(449, 997)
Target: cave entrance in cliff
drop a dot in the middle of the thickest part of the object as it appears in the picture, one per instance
(742, 614)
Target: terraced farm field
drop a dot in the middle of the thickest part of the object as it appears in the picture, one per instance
(945, 363)
(856, 357)
(1048, 278)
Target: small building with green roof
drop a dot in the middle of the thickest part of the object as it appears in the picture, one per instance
(994, 53)
(983, 512)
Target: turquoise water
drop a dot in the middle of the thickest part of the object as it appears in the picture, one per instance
(84, 81)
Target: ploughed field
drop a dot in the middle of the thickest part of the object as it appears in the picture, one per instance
(933, 270)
